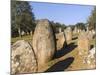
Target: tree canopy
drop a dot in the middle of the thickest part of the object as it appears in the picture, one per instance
(92, 19)
(57, 25)
(22, 17)
(81, 26)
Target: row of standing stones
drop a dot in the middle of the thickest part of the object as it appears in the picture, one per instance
(27, 58)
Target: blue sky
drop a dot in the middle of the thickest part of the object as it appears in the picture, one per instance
(64, 13)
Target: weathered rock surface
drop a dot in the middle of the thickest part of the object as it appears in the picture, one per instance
(75, 31)
(60, 30)
(90, 59)
(68, 34)
(43, 42)
(87, 55)
(23, 58)
(91, 34)
(83, 43)
(60, 39)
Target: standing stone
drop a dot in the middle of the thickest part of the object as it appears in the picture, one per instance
(68, 34)
(87, 28)
(94, 33)
(31, 33)
(60, 40)
(27, 33)
(91, 59)
(59, 30)
(43, 42)
(79, 30)
(83, 44)
(90, 35)
(75, 31)
(23, 58)
(22, 33)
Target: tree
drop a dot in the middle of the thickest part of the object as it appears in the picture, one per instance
(72, 27)
(81, 26)
(22, 17)
(92, 19)
(57, 25)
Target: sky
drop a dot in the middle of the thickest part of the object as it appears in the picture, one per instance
(68, 14)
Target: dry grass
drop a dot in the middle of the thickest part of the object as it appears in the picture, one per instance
(27, 38)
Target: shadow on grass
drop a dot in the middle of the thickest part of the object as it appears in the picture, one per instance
(61, 66)
(65, 50)
(74, 38)
(91, 46)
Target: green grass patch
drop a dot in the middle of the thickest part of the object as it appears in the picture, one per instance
(27, 38)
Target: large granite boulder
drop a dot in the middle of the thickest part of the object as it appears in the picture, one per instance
(43, 42)
(23, 58)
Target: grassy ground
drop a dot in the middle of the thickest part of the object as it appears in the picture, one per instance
(75, 61)
(27, 38)
(65, 60)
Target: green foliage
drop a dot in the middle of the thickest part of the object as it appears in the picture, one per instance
(57, 25)
(26, 37)
(81, 26)
(92, 19)
(22, 18)
(72, 26)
